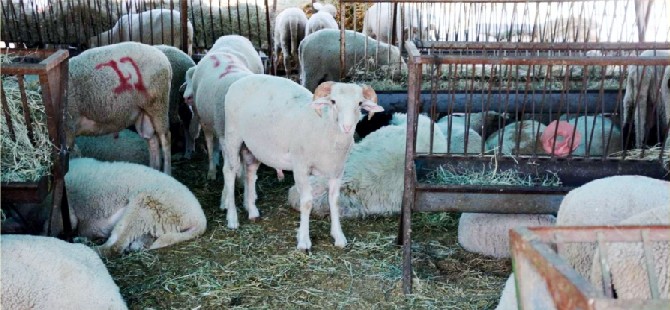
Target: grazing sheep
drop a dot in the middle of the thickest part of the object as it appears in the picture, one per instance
(130, 206)
(326, 8)
(598, 133)
(267, 122)
(320, 20)
(242, 48)
(627, 261)
(159, 26)
(113, 87)
(647, 93)
(378, 19)
(488, 234)
(320, 56)
(48, 273)
(372, 183)
(125, 146)
(290, 26)
(606, 201)
(180, 114)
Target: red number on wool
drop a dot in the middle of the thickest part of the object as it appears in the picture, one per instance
(124, 80)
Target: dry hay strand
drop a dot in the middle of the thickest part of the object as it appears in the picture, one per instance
(257, 266)
(649, 154)
(448, 174)
(23, 160)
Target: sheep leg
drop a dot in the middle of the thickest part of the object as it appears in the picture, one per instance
(171, 238)
(335, 226)
(154, 153)
(165, 139)
(209, 140)
(251, 164)
(231, 167)
(305, 192)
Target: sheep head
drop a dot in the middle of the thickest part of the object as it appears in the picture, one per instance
(345, 101)
(563, 133)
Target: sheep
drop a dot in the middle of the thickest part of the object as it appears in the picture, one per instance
(456, 134)
(326, 8)
(115, 86)
(267, 123)
(372, 183)
(600, 135)
(606, 201)
(289, 31)
(536, 293)
(508, 296)
(179, 113)
(488, 234)
(125, 146)
(242, 48)
(48, 273)
(158, 26)
(647, 93)
(378, 19)
(627, 261)
(130, 206)
(320, 20)
(212, 78)
(525, 133)
(320, 55)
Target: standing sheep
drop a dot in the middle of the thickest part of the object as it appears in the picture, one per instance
(320, 20)
(159, 26)
(267, 124)
(130, 206)
(179, 113)
(326, 8)
(647, 93)
(113, 87)
(290, 26)
(320, 56)
(48, 273)
(242, 48)
(373, 179)
(413, 21)
(606, 201)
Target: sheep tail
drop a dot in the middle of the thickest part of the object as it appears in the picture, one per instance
(294, 37)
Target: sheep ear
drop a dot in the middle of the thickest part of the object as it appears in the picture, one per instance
(371, 107)
(369, 93)
(318, 105)
(323, 90)
(182, 88)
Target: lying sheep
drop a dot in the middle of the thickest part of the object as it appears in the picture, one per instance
(320, 55)
(454, 129)
(180, 114)
(242, 48)
(599, 135)
(48, 273)
(647, 93)
(606, 201)
(378, 19)
(320, 20)
(524, 133)
(130, 206)
(159, 26)
(372, 183)
(627, 261)
(113, 87)
(488, 234)
(125, 146)
(290, 26)
(267, 122)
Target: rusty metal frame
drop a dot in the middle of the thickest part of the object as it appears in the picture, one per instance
(532, 253)
(53, 76)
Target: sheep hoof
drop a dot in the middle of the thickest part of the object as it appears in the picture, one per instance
(341, 243)
(253, 219)
(305, 245)
(233, 226)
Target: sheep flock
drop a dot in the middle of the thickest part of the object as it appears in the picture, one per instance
(154, 206)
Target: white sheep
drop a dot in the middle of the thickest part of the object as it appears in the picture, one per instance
(267, 124)
(158, 26)
(180, 114)
(130, 206)
(508, 296)
(627, 261)
(647, 92)
(606, 201)
(455, 130)
(125, 146)
(524, 133)
(242, 48)
(113, 87)
(598, 133)
(488, 234)
(373, 179)
(212, 78)
(378, 20)
(48, 273)
(536, 293)
(325, 7)
(320, 20)
(290, 25)
(320, 56)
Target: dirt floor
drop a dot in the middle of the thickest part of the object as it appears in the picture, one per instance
(258, 265)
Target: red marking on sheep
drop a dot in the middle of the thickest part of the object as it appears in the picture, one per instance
(234, 65)
(124, 84)
(217, 63)
(564, 133)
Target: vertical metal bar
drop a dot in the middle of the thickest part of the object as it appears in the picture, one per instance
(246, 3)
(604, 267)
(7, 113)
(9, 34)
(268, 33)
(183, 7)
(25, 21)
(239, 21)
(649, 262)
(342, 40)
(26, 109)
(38, 25)
(258, 24)
(211, 24)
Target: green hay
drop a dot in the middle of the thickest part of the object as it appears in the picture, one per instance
(23, 161)
(488, 176)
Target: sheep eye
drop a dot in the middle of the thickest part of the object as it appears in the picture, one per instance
(360, 103)
(332, 101)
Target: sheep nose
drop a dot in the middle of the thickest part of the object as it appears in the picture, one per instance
(347, 129)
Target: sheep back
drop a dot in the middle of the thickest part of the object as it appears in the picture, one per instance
(127, 147)
(242, 48)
